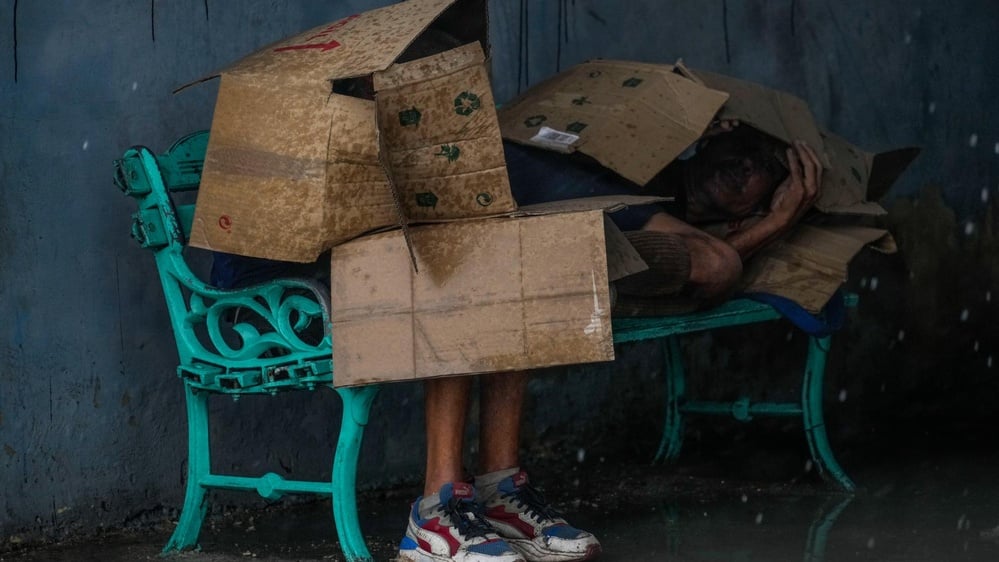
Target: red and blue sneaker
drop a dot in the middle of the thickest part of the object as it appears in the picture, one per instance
(453, 530)
(519, 514)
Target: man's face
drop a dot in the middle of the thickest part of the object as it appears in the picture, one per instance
(737, 187)
(731, 179)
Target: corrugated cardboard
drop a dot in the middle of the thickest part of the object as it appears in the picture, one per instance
(492, 295)
(293, 169)
(810, 264)
(634, 118)
(857, 178)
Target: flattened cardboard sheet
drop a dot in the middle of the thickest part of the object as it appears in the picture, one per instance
(810, 264)
(634, 118)
(493, 295)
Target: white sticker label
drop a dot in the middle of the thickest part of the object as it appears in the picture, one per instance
(556, 139)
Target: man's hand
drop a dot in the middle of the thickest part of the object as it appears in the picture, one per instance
(798, 192)
(792, 198)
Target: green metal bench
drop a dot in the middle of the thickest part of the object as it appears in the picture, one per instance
(737, 312)
(269, 348)
(275, 352)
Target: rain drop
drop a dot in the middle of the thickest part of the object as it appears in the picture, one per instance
(86, 144)
(808, 465)
(908, 38)
(789, 336)
(863, 282)
(932, 107)
(581, 455)
(988, 296)
(960, 523)
(883, 386)
(745, 498)
(135, 86)
(976, 345)
(874, 283)
(985, 195)
(759, 518)
(842, 395)
(973, 140)
(901, 335)
(870, 542)
(964, 315)
(988, 362)
(969, 228)
(996, 149)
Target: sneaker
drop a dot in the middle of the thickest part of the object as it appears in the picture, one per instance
(453, 530)
(519, 514)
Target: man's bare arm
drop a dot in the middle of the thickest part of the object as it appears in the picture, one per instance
(790, 201)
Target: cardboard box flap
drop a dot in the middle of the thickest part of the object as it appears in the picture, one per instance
(854, 174)
(634, 118)
(438, 118)
(779, 114)
(608, 203)
(886, 167)
(356, 45)
(810, 264)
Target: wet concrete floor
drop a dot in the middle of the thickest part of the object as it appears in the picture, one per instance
(914, 504)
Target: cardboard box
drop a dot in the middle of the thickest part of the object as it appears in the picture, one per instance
(492, 295)
(293, 169)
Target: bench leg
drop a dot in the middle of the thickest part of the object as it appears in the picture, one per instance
(672, 440)
(198, 465)
(356, 406)
(811, 404)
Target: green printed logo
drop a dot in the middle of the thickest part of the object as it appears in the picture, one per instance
(631, 82)
(466, 103)
(535, 120)
(581, 101)
(426, 199)
(575, 127)
(484, 199)
(409, 117)
(449, 151)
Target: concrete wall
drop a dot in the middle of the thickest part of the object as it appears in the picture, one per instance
(91, 415)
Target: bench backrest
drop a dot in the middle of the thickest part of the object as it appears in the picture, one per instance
(269, 346)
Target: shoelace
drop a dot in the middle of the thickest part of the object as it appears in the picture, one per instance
(467, 516)
(537, 508)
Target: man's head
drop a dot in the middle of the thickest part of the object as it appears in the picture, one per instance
(735, 173)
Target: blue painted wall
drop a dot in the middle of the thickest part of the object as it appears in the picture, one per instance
(91, 416)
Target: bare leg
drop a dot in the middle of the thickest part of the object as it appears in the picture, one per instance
(502, 402)
(446, 404)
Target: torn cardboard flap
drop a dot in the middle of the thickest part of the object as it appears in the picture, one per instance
(810, 264)
(857, 178)
(634, 118)
(494, 295)
(293, 169)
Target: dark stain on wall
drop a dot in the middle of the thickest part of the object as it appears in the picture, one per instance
(15, 40)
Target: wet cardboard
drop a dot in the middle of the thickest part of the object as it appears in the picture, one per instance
(634, 118)
(491, 295)
(293, 169)
(809, 264)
